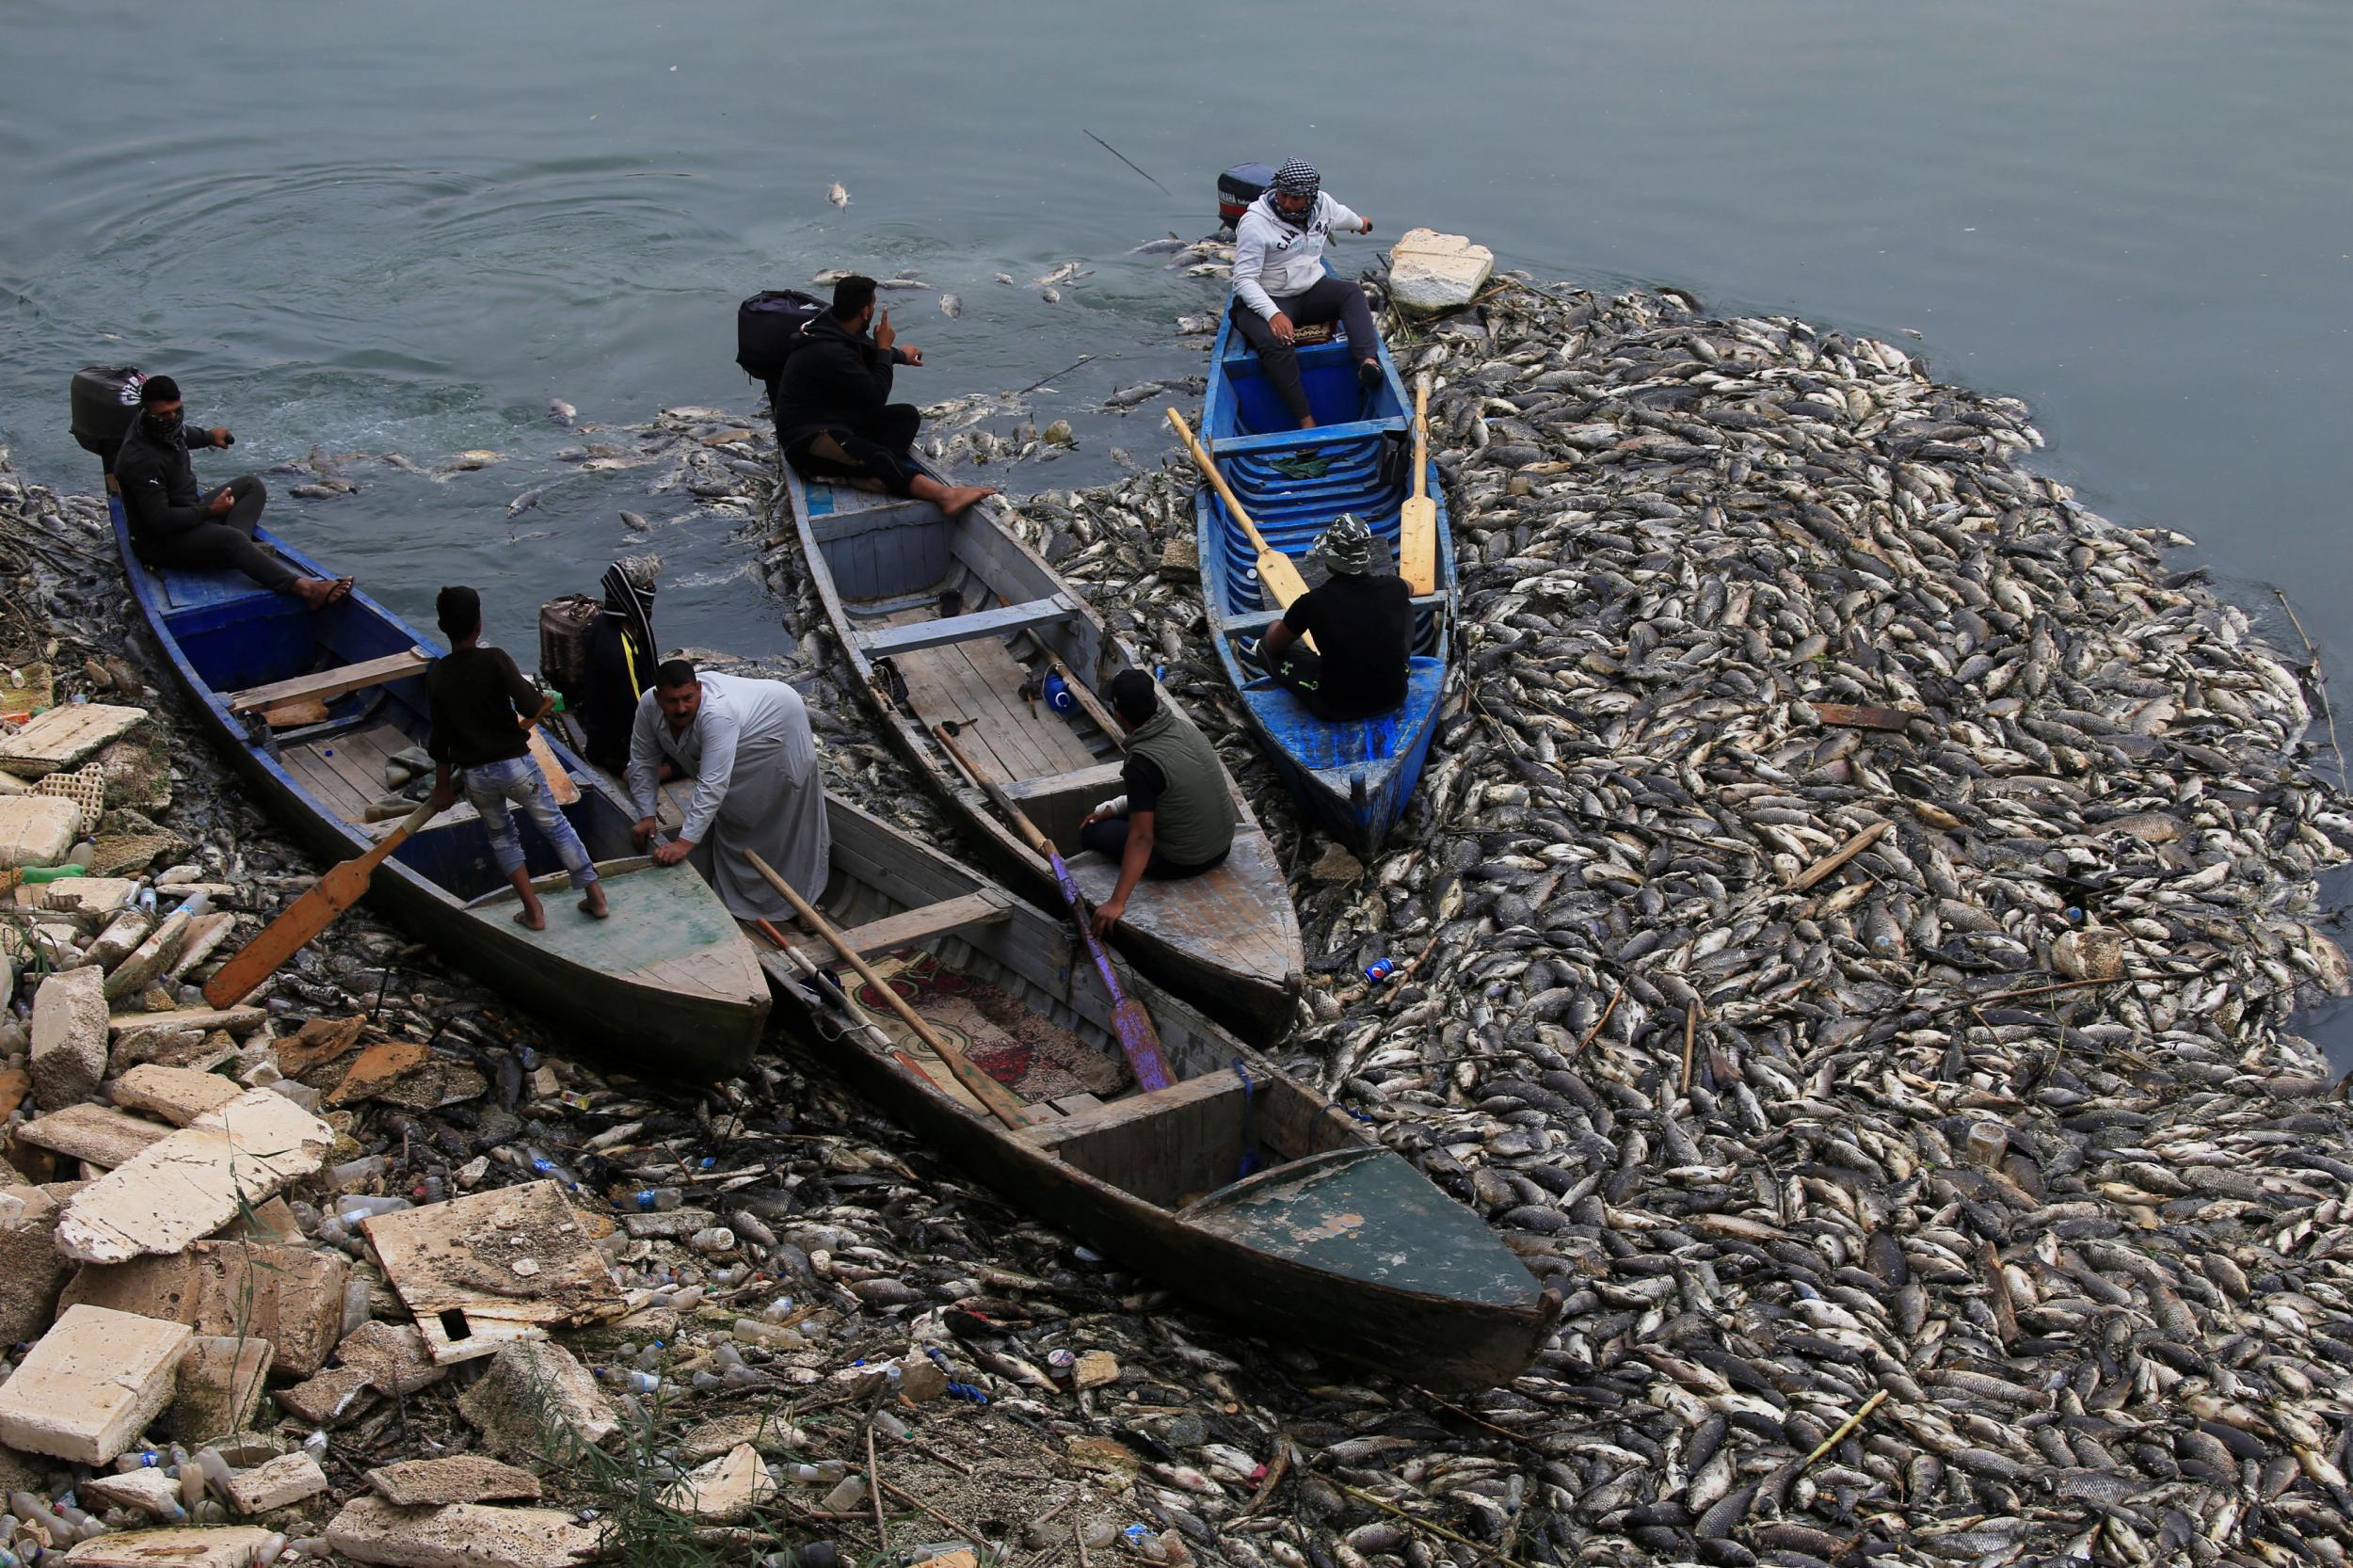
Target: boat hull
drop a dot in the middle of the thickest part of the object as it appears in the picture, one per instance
(1270, 1289)
(597, 999)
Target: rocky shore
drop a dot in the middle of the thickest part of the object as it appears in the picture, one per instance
(1847, 931)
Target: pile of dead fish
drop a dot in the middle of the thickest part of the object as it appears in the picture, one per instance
(1990, 1133)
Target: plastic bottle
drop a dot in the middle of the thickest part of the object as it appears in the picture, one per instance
(771, 1335)
(641, 1383)
(1058, 696)
(544, 1164)
(650, 1200)
(846, 1496)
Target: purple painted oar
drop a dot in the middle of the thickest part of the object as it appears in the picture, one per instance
(1136, 1037)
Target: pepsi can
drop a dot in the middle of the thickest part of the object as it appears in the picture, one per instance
(1378, 971)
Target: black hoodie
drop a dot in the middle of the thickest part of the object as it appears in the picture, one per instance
(833, 382)
(158, 482)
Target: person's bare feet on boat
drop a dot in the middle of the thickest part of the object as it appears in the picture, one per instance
(592, 901)
(960, 498)
(532, 916)
(319, 592)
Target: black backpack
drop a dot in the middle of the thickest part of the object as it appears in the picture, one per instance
(768, 330)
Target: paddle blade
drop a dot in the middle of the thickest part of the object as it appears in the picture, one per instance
(560, 783)
(1417, 544)
(1141, 1043)
(1280, 574)
(288, 934)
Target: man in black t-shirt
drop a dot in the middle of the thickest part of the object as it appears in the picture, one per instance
(1362, 620)
(482, 709)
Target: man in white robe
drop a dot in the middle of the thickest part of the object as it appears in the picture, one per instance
(747, 746)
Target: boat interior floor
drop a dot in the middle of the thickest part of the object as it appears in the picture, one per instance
(345, 771)
(977, 682)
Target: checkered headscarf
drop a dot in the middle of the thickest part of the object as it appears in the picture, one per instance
(1296, 177)
(1346, 547)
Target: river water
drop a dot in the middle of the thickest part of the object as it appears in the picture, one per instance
(364, 229)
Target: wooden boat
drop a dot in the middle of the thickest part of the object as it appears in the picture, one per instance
(1234, 1183)
(950, 622)
(1354, 777)
(668, 978)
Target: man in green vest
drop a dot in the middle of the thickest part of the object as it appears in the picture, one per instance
(1178, 817)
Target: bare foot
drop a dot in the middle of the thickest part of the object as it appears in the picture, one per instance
(592, 902)
(531, 917)
(316, 592)
(960, 498)
(1308, 423)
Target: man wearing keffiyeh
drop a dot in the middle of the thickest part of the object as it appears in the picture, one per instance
(1280, 285)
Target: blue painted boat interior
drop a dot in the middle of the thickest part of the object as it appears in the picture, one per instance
(225, 633)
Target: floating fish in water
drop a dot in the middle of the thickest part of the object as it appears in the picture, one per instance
(839, 194)
(324, 490)
(952, 305)
(831, 276)
(465, 462)
(1159, 247)
(901, 281)
(1005, 277)
(562, 413)
(1052, 296)
(1127, 397)
(635, 522)
(1062, 274)
(526, 501)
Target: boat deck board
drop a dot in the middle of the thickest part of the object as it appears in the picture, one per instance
(980, 683)
(345, 773)
(677, 935)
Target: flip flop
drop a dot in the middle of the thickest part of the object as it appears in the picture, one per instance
(338, 591)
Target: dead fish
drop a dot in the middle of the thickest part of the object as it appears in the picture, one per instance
(635, 521)
(831, 276)
(526, 501)
(1006, 279)
(1127, 397)
(839, 194)
(951, 305)
(1052, 296)
(465, 462)
(1158, 247)
(562, 413)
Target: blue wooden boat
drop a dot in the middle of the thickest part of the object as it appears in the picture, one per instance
(309, 707)
(1354, 777)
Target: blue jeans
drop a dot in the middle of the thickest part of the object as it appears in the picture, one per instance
(493, 786)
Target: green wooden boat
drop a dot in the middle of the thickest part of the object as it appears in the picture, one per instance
(1234, 1184)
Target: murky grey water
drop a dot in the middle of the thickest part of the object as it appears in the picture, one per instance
(406, 227)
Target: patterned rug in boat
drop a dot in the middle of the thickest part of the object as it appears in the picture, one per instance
(1036, 1058)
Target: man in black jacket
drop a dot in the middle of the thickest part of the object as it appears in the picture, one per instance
(835, 418)
(174, 524)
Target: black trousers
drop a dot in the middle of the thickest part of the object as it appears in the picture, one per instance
(1331, 299)
(878, 450)
(224, 542)
(1109, 839)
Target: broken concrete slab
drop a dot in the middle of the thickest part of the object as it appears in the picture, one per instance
(463, 1535)
(392, 1356)
(121, 939)
(94, 1134)
(766, 1430)
(283, 1482)
(37, 830)
(451, 1264)
(237, 1546)
(15, 1082)
(129, 1027)
(220, 1387)
(62, 737)
(152, 958)
(317, 1043)
(1430, 272)
(86, 895)
(196, 1180)
(330, 1398)
(536, 1401)
(91, 1385)
(205, 935)
(180, 1096)
(724, 1490)
(1095, 1369)
(378, 1066)
(458, 1479)
(68, 1037)
(292, 1296)
(150, 1491)
(32, 1270)
(265, 1222)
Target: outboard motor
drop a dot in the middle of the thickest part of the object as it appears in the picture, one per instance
(1238, 188)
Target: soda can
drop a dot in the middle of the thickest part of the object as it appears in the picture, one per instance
(1378, 971)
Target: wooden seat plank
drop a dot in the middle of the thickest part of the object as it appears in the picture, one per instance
(937, 632)
(910, 925)
(331, 684)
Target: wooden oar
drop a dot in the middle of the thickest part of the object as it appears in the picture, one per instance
(308, 915)
(986, 1089)
(1418, 519)
(559, 780)
(1138, 1039)
(1278, 571)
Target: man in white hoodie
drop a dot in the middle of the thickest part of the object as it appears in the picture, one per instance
(1280, 285)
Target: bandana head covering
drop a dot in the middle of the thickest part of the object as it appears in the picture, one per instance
(1295, 179)
(1347, 546)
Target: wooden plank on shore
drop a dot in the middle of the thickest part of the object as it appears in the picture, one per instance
(329, 684)
(1863, 716)
(1837, 858)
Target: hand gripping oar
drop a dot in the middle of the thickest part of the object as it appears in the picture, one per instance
(986, 1089)
(1130, 1021)
(1278, 571)
(1418, 519)
(308, 915)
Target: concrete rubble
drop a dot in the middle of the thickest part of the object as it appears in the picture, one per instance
(462, 1535)
(91, 1385)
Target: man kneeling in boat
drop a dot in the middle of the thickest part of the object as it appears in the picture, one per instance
(747, 746)
(835, 418)
(1280, 285)
(1362, 620)
(481, 706)
(174, 524)
(1178, 817)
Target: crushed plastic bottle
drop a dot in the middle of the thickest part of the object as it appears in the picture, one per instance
(648, 1200)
